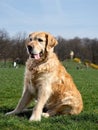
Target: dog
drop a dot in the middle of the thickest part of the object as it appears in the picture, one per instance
(47, 80)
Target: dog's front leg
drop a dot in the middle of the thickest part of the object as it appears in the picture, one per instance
(43, 95)
(24, 101)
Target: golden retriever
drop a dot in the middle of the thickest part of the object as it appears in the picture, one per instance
(47, 81)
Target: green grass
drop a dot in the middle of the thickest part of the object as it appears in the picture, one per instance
(11, 82)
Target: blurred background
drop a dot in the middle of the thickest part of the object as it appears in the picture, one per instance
(73, 22)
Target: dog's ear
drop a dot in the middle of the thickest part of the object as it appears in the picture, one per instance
(51, 42)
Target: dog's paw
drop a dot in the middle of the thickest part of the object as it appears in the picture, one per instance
(10, 113)
(35, 118)
(46, 115)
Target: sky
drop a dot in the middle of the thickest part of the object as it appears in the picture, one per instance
(66, 18)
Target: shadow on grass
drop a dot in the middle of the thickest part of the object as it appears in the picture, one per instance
(26, 113)
(83, 117)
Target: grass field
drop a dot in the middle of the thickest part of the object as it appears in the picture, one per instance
(11, 82)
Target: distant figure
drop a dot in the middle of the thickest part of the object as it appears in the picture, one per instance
(71, 55)
(15, 64)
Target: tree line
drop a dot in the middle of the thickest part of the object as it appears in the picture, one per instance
(86, 49)
(13, 49)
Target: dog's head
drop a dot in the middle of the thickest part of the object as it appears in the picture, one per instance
(39, 44)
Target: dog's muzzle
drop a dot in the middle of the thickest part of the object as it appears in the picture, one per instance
(33, 54)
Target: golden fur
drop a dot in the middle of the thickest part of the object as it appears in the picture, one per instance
(47, 81)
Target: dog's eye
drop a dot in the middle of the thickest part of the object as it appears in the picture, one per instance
(30, 39)
(40, 40)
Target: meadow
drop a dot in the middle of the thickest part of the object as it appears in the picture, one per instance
(86, 79)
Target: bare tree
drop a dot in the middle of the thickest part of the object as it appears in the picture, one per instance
(18, 48)
(4, 46)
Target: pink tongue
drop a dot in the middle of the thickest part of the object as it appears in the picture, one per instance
(37, 56)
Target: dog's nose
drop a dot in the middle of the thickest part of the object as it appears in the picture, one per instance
(30, 48)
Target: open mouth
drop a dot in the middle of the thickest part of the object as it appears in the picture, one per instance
(37, 56)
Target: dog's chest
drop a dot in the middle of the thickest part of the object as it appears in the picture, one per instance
(41, 79)
(37, 80)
